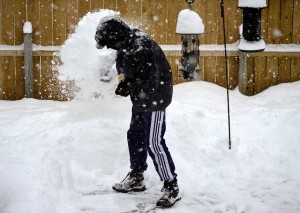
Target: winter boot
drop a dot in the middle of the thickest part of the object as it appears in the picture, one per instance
(133, 182)
(171, 195)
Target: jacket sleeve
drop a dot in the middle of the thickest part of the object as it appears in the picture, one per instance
(146, 72)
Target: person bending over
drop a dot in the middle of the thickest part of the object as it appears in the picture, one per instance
(148, 82)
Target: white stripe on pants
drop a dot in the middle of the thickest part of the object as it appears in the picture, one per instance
(156, 148)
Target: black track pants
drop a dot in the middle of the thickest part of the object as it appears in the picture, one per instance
(146, 135)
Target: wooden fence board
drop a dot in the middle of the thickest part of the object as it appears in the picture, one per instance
(201, 68)
(172, 60)
(1, 79)
(113, 4)
(250, 76)
(1, 42)
(211, 11)
(20, 81)
(1, 20)
(233, 17)
(148, 17)
(202, 12)
(272, 71)
(236, 21)
(173, 8)
(59, 22)
(9, 76)
(210, 69)
(233, 70)
(284, 69)
(219, 21)
(220, 78)
(286, 21)
(124, 10)
(83, 8)
(260, 67)
(159, 21)
(264, 22)
(170, 32)
(220, 61)
(135, 10)
(8, 62)
(295, 69)
(20, 18)
(46, 11)
(296, 23)
(130, 12)
(221, 71)
(72, 16)
(46, 75)
(273, 22)
(8, 69)
(8, 21)
(46, 17)
(96, 5)
(295, 62)
(33, 10)
(273, 37)
(195, 6)
(211, 37)
(272, 76)
(286, 38)
(36, 66)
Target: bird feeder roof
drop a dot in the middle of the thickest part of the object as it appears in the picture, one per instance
(189, 22)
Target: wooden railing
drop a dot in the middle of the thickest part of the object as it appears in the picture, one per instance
(253, 72)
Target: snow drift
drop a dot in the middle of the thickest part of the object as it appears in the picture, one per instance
(60, 157)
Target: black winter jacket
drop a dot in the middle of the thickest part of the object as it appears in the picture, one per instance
(142, 62)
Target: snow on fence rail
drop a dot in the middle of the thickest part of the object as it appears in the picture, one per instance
(280, 50)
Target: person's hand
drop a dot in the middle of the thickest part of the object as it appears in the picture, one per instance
(124, 88)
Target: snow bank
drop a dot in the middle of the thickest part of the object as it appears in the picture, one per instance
(63, 157)
(189, 22)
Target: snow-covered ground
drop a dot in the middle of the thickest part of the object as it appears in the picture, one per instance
(63, 157)
(60, 157)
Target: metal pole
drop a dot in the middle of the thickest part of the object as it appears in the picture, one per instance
(227, 74)
(28, 60)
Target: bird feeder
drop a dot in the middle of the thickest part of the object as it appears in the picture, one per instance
(189, 26)
(251, 40)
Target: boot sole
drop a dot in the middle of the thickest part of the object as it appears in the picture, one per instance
(131, 190)
(168, 206)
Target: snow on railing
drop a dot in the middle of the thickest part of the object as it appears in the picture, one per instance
(207, 49)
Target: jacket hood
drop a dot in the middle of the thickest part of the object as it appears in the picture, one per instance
(113, 33)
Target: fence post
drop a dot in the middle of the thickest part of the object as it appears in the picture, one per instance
(243, 77)
(28, 60)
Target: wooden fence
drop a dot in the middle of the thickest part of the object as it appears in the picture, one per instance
(54, 20)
